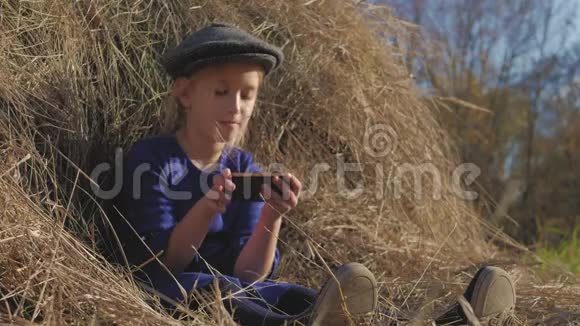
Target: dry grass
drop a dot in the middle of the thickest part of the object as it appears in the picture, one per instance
(80, 78)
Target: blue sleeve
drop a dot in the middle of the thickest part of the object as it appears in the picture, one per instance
(148, 208)
(247, 214)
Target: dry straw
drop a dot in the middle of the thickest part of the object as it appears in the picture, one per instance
(79, 78)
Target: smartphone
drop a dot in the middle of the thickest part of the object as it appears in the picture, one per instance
(249, 185)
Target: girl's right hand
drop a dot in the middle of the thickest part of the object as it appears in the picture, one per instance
(220, 193)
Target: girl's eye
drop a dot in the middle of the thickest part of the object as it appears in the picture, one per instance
(247, 96)
(221, 92)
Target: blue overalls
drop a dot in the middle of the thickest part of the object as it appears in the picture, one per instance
(160, 185)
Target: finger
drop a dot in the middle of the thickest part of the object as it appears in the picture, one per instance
(229, 185)
(288, 202)
(293, 200)
(225, 197)
(283, 186)
(276, 201)
(218, 179)
(269, 194)
(266, 192)
(214, 192)
(295, 184)
(227, 173)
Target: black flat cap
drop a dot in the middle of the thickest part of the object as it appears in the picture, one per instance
(219, 43)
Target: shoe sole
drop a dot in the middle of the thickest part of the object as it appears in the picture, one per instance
(487, 276)
(361, 279)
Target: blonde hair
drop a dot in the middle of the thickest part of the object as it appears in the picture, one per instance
(173, 114)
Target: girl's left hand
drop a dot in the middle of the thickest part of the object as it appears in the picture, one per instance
(290, 187)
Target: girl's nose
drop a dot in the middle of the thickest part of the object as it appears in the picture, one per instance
(235, 102)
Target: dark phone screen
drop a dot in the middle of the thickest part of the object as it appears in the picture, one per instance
(249, 185)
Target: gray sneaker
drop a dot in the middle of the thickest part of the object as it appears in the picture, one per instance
(490, 299)
(350, 292)
(494, 297)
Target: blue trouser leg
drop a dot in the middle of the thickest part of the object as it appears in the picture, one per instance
(264, 303)
(292, 304)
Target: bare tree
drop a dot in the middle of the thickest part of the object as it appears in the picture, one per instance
(506, 56)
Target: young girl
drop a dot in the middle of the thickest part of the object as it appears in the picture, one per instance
(189, 235)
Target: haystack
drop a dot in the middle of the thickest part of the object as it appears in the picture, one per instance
(82, 78)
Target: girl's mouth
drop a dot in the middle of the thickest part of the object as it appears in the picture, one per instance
(230, 124)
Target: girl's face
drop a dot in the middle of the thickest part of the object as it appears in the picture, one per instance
(219, 100)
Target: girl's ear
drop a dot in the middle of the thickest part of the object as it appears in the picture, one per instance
(182, 91)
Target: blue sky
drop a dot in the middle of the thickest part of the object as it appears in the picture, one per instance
(576, 37)
(527, 63)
